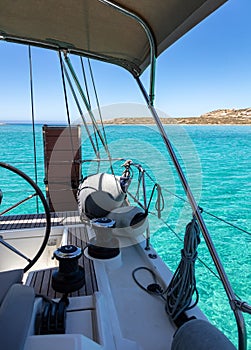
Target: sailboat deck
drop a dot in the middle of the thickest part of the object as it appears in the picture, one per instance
(41, 279)
(15, 222)
(77, 235)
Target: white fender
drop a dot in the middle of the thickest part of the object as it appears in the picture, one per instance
(99, 194)
(130, 221)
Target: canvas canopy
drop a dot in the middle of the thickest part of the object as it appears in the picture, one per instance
(93, 28)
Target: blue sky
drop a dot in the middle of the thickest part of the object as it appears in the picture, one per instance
(209, 68)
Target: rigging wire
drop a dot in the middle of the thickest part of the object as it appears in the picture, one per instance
(97, 100)
(160, 201)
(33, 122)
(225, 221)
(208, 213)
(181, 240)
(18, 203)
(200, 208)
(89, 101)
(81, 112)
(85, 80)
(74, 76)
(68, 119)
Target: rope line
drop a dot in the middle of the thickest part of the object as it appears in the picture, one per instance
(183, 284)
(153, 288)
(33, 123)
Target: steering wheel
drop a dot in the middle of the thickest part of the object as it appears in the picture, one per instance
(40, 195)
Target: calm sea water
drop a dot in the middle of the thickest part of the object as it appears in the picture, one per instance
(217, 163)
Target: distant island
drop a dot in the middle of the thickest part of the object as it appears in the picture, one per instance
(217, 117)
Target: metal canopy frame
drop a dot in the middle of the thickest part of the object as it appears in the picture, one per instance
(150, 37)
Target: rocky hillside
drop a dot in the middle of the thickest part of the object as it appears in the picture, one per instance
(219, 116)
(227, 116)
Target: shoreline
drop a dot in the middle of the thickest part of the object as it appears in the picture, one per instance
(216, 117)
(137, 121)
(175, 124)
(106, 123)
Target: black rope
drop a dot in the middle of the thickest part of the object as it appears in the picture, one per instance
(135, 200)
(178, 295)
(159, 205)
(139, 183)
(33, 123)
(183, 284)
(181, 240)
(154, 288)
(151, 197)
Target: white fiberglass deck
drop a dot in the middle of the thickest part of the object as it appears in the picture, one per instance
(135, 314)
(111, 311)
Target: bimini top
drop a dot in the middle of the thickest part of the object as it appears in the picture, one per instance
(117, 32)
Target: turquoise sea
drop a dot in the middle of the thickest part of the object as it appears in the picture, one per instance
(217, 163)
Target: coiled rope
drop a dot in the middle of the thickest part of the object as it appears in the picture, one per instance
(183, 284)
(178, 295)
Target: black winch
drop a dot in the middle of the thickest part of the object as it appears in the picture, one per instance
(103, 246)
(69, 277)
